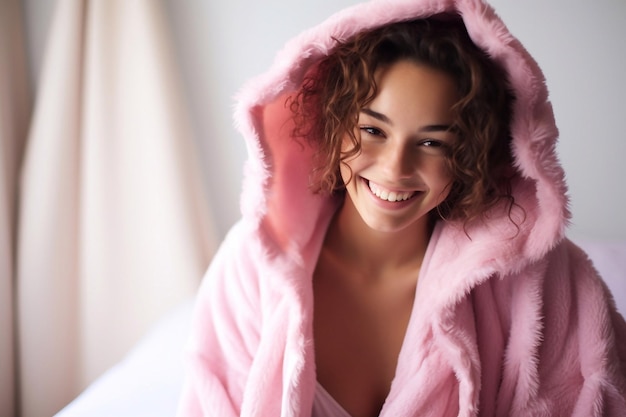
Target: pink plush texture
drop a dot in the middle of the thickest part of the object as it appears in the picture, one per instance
(510, 322)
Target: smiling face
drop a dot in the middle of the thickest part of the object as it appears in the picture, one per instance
(401, 172)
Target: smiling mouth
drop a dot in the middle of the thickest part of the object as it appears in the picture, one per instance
(388, 195)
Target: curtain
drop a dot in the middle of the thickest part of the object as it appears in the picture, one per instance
(112, 227)
(14, 114)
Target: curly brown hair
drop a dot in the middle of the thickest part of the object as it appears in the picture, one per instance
(327, 106)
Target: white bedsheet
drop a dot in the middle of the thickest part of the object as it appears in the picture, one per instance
(147, 382)
(149, 379)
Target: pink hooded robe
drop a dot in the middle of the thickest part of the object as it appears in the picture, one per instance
(508, 323)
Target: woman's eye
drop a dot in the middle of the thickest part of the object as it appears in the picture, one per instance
(430, 143)
(434, 147)
(371, 131)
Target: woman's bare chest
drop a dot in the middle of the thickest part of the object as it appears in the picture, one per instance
(359, 328)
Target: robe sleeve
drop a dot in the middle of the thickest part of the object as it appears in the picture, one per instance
(566, 350)
(225, 332)
(582, 359)
(601, 341)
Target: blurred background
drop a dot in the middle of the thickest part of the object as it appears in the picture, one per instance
(82, 276)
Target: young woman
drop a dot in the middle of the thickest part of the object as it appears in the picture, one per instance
(401, 250)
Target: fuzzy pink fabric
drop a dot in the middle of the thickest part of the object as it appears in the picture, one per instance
(510, 323)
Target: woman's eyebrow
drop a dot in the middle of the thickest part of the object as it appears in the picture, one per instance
(437, 128)
(426, 129)
(377, 115)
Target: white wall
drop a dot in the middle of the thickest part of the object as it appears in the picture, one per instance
(577, 43)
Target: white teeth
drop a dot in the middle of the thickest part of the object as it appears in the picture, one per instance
(389, 195)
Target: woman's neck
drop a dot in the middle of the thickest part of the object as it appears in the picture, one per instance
(373, 251)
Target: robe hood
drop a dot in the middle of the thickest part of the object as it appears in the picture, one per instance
(276, 195)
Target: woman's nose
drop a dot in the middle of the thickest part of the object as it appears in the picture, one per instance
(398, 161)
